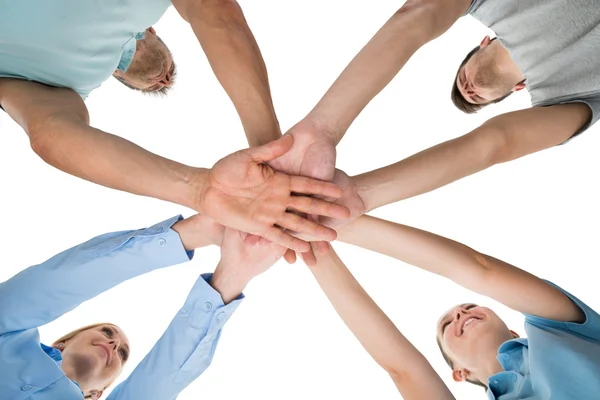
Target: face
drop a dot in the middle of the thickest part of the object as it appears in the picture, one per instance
(152, 68)
(469, 331)
(480, 80)
(95, 356)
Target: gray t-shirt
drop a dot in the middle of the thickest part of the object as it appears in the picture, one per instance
(555, 43)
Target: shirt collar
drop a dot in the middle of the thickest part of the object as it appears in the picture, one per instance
(129, 52)
(513, 356)
(52, 353)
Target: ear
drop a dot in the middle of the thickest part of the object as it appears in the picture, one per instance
(60, 346)
(118, 73)
(460, 375)
(515, 334)
(519, 86)
(485, 42)
(151, 30)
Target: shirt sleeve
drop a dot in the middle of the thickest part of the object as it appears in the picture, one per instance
(44, 292)
(590, 329)
(594, 104)
(184, 351)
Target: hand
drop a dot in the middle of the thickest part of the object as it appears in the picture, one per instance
(313, 153)
(198, 231)
(350, 198)
(242, 260)
(244, 193)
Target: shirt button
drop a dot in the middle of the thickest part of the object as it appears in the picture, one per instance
(158, 230)
(495, 382)
(26, 388)
(162, 242)
(505, 356)
(208, 306)
(221, 316)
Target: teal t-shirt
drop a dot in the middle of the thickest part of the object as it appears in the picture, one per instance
(558, 360)
(76, 44)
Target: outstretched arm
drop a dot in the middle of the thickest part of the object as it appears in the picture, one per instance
(412, 374)
(44, 292)
(501, 139)
(416, 23)
(478, 272)
(236, 60)
(187, 347)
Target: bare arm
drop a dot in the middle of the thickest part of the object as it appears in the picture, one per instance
(412, 26)
(235, 57)
(412, 374)
(480, 273)
(57, 123)
(501, 139)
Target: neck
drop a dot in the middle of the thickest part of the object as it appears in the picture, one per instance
(490, 367)
(69, 371)
(506, 64)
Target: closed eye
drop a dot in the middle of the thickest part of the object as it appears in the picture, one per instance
(124, 354)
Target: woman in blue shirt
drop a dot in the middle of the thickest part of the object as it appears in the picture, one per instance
(562, 331)
(85, 362)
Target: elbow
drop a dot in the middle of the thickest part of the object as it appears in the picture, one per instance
(490, 144)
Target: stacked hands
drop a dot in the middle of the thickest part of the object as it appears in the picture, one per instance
(287, 192)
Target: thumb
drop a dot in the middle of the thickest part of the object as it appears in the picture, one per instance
(271, 150)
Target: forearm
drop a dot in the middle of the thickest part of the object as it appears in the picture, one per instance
(430, 169)
(237, 62)
(422, 249)
(480, 273)
(184, 351)
(377, 64)
(78, 149)
(377, 334)
(42, 293)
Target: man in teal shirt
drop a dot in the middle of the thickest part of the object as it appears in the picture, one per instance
(53, 54)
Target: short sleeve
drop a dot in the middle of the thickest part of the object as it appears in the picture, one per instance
(594, 104)
(474, 6)
(590, 329)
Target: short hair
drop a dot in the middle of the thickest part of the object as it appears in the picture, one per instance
(162, 92)
(74, 333)
(459, 100)
(451, 364)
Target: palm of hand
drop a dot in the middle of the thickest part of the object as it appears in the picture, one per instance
(239, 189)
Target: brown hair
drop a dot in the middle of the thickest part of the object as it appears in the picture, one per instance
(76, 332)
(451, 364)
(458, 99)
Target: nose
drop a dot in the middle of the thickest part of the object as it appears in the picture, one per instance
(166, 80)
(115, 344)
(459, 312)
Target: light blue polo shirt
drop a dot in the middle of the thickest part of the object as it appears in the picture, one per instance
(559, 360)
(76, 44)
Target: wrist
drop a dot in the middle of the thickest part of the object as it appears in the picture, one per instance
(197, 184)
(366, 189)
(229, 285)
(325, 125)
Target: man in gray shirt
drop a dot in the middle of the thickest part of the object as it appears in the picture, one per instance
(550, 47)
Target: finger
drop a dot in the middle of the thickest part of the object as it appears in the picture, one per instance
(309, 258)
(302, 225)
(277, 235)
(302, 184)
(321, 248)
(290, 256)
(271, 150)
(311, 205)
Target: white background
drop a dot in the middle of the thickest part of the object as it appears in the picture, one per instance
(285, 341)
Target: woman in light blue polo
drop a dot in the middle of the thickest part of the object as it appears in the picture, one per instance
(83, 363)
(560, 359)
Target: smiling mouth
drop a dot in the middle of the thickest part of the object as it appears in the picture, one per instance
(467, 322)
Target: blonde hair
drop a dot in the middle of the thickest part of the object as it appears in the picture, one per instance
(76, 332)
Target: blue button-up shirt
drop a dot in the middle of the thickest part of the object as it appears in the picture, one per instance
(42, 293)
(76, 44)
(559, 360)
